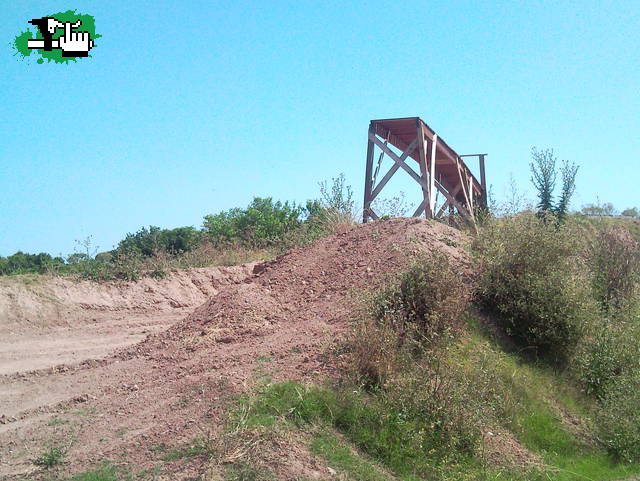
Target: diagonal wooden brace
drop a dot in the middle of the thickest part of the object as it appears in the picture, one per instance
(397, 162)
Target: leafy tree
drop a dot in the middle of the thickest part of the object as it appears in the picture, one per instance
(23, 263)
(568, 172)
(148, 241)
(180, 239)
(605, 208)
(631, 212)
(77, 258)
(262, 223)
(544, 177)
(144, 242)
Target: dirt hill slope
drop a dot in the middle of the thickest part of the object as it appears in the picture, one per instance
(172, 387)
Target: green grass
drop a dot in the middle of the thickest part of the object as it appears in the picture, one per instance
(542, 433)
(532, 394)
(527, 399)
(104, 473)
(340, 458)
(197, 447)
(245, 471)
(109, 472)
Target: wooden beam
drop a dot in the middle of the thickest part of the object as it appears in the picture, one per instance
(471, 195)
(393, 169)
(483, 181)
(432, 173)
(395, 158)
(464, 187)
(418, 212)
(367, 181)
(422, 163)
(453, 194)
(463, 212)
(441, 209)
(375, 174)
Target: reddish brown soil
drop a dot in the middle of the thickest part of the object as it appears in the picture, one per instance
(172, 387)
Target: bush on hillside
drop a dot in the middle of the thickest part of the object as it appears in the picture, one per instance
(333, 211)
(609, 353)
(533, 279)
(618, 420)
(420, 311)
(419, 408)
(614, 258)
(430, 297)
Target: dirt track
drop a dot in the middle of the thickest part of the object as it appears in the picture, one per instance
(171, 386)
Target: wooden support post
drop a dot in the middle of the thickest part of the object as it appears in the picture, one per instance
(368, 180)
(467, 195)
(422, 162)
(432, 175)
(461, 210)
(483, 182)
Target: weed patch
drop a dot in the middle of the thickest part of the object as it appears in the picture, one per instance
(53, 456)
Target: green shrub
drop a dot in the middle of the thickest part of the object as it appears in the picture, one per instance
(533, 278)
(618, 419)
(429, 299)
(23, 263)
(421, 310)
(149, 241)
(614, 257)
(264, 222)
(610, 352)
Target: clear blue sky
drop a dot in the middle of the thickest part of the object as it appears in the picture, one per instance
(189, 108)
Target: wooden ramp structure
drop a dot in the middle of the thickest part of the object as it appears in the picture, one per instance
(440, 169)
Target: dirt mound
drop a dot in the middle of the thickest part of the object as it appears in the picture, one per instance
(285, 319)
(319, 279)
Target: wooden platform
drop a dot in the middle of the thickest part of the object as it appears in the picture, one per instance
(440, 168)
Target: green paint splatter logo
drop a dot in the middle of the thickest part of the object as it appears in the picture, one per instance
(59, 37)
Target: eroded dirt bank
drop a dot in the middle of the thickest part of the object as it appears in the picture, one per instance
(46, 321)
